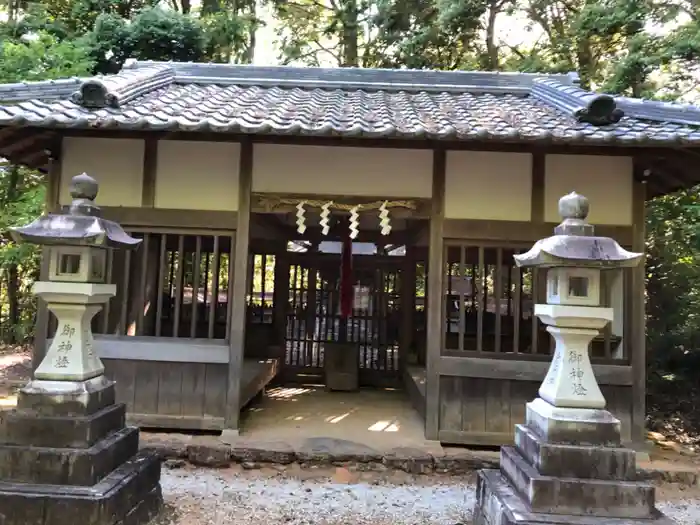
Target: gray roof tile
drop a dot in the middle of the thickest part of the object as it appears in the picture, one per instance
(349, 103)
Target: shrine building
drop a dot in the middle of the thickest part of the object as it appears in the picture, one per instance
(349, 227)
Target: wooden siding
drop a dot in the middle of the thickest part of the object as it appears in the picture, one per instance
(183, 395)
(481, 411)
(171, 395)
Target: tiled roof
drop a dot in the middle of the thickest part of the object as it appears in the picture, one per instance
(514, 107)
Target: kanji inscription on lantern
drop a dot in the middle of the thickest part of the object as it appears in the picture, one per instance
(62, 362)
(554, 368)
(87, 338)
(68, 331)
(577, 373)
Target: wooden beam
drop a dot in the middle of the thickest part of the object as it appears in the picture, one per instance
(11, 138)
(239, 289)
(30, 146)
(162, 218)
(150, 169)
(611, 149)
(490, 439)
(175, 422)
(637, 347)
(521, 231)
(436, 272)
(162, 349)
(522, 370)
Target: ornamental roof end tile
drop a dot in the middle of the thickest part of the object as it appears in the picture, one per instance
(420, 104)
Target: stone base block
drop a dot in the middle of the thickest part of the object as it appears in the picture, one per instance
(558, 495)
(130, 495)
(497, 503)
(66, 398)
(572, 461)
(26, 427)
(573, 426)
(68, 466)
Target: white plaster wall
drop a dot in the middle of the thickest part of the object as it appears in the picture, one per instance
(116, 164)
(325, 170)
(194, 175)
(488, 185)
(606, 181)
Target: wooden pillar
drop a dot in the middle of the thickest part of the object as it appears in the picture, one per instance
(240, 287)
(43, 316)
(638, 318)
(408, 306)
(281, 299)
(435, 329)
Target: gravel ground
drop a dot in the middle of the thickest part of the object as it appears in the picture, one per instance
(208, 497)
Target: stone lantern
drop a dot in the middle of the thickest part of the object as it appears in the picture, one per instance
(568, 464)
(76, 289)
(574, 259)
(65, 452)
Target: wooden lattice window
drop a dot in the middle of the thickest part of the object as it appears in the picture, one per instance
(488, 305)
(177, 284)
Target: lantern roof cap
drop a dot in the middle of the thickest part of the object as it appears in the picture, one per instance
(81, 224)
(574, 242)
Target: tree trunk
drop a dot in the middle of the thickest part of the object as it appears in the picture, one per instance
(13, 333)
(210, 7)
(250, 50)
(491, 47)
(12, 271)
(349, 33)
(584, 57)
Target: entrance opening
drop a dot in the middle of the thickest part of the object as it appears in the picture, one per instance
(298, 312)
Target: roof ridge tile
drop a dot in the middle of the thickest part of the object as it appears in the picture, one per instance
(44, 89)
(585, 106)
(660, 111)
(118, 89)
(355, 78)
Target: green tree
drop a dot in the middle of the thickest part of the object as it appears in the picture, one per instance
(152, 34)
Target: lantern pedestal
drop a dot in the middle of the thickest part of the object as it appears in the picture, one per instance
(567, 467)
(66, 456)
(71, 356)
(568, 464)
(570, 381)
